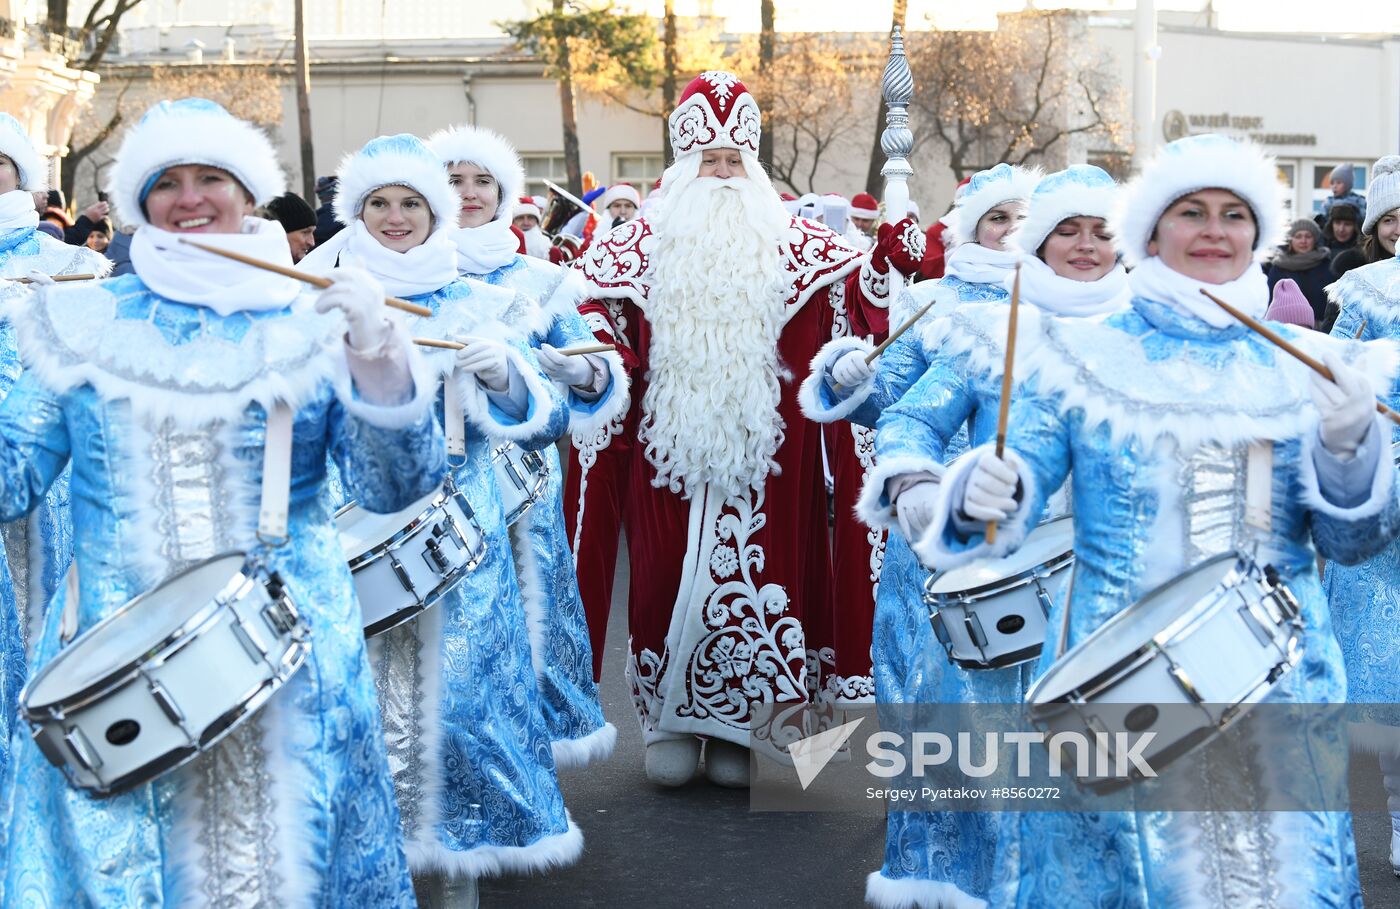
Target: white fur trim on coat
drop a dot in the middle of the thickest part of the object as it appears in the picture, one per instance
(192, 131)
(16, 145)
(1382, 483)
(872, 506)
(477, 406)
(396, 416)
(401, 160)
(1194, 163)
(911, 893)
(590, 749)
(1010, 534)
(554, 851)
(615, 405)
(486, 149)
(809, 394)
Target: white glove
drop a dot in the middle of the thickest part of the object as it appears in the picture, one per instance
(360, 296)
(915, 509)
(39, 278)
(487, 360)
(851, 369)
(990, 492)
(1348, 406)
(564, 368)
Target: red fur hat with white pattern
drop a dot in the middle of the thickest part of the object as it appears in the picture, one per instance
(715, 111)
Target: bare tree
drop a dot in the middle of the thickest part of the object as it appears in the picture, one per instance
(1018, 94)
(303, 83)
(669, 64)
(766, 40)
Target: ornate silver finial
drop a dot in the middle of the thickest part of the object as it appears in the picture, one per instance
(897, 142)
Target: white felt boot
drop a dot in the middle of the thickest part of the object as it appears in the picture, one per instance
(727, 764)
(434, 891)
(672, 762)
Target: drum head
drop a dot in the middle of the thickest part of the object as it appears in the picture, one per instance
(140, 624)
(1051, 539)
(1132, 628)
(361, 530)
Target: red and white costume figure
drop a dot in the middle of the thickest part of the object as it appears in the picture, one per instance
(536, 243)
(865, 211)
(719, 299)
(621, 200)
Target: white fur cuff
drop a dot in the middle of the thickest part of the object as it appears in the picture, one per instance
(819, 402)
(555, 851)
(540, 395)
(586, 418)
(392, 416)
(932, 549)
(592, 748)
(912, 893)
(874, 507)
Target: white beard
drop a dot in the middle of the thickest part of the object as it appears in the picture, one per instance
(536, 243)
(716, 309)
(859, 238)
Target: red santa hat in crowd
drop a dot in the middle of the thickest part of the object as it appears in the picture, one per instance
(619, 191)
(526, 206)
(863, 205)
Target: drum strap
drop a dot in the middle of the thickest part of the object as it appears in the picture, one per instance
(277, 475)
(1259, 486)
(454, 417)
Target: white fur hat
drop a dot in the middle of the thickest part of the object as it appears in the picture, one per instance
(619, 191)
(1207, 161)
(1383, 194)
(191, 131)
(985, 191)
(401, 160)
(16, 145)
(488, 150)
(1082, 189)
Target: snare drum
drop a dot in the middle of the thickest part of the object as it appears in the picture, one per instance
(405, 562)
(521, 476)
(992, 613)
(167, 675)
(1205, 646)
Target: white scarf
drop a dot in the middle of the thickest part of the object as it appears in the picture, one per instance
(976, 264)
(481, 250)
(188, 275)
(1249, 293)
(1063, 296)
(430, 266)
(17, 210)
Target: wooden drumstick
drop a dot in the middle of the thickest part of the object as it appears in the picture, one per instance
(284, 271)
(1359, 329)
(568, 351)
(56, 278)
(1004, 410)
(894, 336)
(1278, 340)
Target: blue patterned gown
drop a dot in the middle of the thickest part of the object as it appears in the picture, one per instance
(159, 407)
(470, 754)
(1156, 413)
(544, 560)
(1365, 598)
(922, 850)
(38, 548)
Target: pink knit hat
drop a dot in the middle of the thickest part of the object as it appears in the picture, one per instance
(1290, 306)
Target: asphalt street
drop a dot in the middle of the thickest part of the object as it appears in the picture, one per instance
(700, 847)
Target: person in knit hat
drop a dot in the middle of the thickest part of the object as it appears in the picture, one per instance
(1290, 306)
(1342, 229)
(299, 221)
(1379, 226)
(1362, 596)
(1342, 180)
(1304, 259)
(620, 203)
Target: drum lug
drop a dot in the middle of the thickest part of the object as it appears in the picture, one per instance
(433, 554)
(167, 704)
(251, 645)
(82, 749)
(974, 628)
(46, 746)
(280, 614)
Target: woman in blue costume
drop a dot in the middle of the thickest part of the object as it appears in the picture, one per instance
(36, 549)
(487, 175)
(468, 747)
(939, 859)
(1165, 412)
(1365, 598)
(158, 386)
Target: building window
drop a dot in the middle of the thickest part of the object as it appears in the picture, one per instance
(641, 170)
(539, 168)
